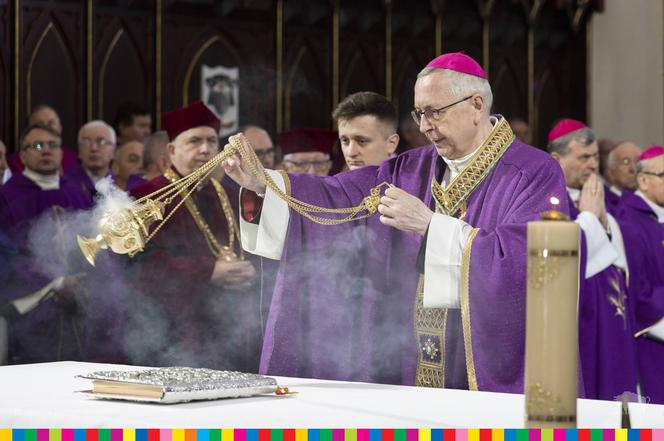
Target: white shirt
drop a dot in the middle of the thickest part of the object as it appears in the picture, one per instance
(45, 182)
(657, 209)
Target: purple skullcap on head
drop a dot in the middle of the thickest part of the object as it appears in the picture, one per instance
(458, 62)
(565, 127)
(652, 152)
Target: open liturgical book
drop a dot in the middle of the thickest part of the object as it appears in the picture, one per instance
(179, 384)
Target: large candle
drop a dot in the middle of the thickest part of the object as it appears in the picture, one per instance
(551, 321)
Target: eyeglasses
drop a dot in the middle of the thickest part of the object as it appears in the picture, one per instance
(659, 175)
(433, 114)
(302, 166)
(264, 152)
(100, 142)
(41, 145)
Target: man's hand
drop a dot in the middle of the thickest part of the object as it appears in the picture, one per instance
(232, 274)
(238, 171)
(592, 198)
(404, 211)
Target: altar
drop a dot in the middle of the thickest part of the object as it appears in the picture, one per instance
(46, 395)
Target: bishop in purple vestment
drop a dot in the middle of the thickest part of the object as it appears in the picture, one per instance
(349, 301)
(52, 331)
(606, 345)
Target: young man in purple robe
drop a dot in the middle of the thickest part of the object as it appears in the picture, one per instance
(606, 345)
(350, 303)
(52, 331)
(645, 210)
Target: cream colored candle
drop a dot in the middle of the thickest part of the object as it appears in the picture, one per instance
(551, 321)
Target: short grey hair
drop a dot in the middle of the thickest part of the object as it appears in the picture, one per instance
(154, 146)
(643, 165)
(97, 123)
(462, 84)
(585, 136)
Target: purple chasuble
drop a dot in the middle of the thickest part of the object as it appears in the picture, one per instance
(343, 305)
(645, 255)
(48, 332)
(606, 345)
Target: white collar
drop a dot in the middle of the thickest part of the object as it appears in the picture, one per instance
(657, 209)
(574, 194)
(45, 182)
(94, 178)
(615, 190)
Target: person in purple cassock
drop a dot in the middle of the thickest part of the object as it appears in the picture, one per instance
(644, 209)
(607, 347)
(351, 301)
(46, 326)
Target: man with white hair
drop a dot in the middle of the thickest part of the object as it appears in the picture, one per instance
(621, 172)
(645, 209)
(96, 148)
(449, 244)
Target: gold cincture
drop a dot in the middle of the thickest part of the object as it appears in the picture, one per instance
(126, 231)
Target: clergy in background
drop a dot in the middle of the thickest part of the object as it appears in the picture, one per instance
(307, 151)
(53, 331)
(96, 148)
(607, 348)
(199, 305)
(645, 210)
(350, 303)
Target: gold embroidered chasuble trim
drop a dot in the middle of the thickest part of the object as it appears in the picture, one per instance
(453, 198)
(431, 323)
(226, 252)
(465, 310)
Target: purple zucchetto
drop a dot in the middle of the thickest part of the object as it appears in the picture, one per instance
(458, 62)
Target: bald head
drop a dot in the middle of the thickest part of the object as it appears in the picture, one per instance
(262, 144)
(621, 163)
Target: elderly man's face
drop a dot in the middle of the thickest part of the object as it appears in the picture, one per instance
(129, 160)
(41, 152)
(262, 144)
(578, 163)
(313, 163)
(47, 117)
(193, 148)
(366, 141)
(138, 130)
(96, 149)
(621, 172)
(651, 181)
(454, 132)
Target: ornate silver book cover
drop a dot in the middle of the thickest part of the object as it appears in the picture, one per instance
(177, 384)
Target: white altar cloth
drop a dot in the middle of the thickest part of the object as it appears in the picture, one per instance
(44, 395)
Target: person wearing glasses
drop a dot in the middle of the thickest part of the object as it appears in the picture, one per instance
(621, 165)
(32, 202)
(193, 272)
(645, 209)
(96, 149)
(262, 143)
(429, 291)
(307, 151)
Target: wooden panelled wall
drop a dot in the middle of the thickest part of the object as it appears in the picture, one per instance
(297, 58)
